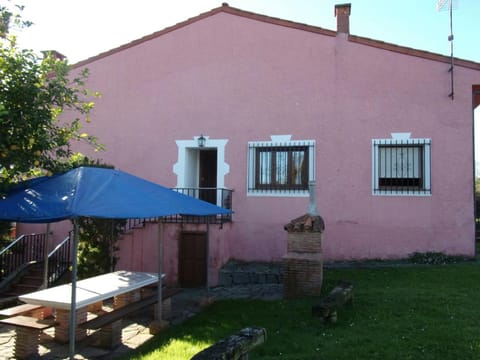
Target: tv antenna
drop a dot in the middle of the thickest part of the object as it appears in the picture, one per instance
(443, 5)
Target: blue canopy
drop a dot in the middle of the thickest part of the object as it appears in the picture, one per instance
(101, 193)
(97, 192)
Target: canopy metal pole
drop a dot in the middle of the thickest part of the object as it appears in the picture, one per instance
(160, 261)
(45, 258)
(111, 244)
(73, 302)
(208, 256)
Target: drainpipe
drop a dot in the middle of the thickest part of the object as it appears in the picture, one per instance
(475, 103)
(312, 204)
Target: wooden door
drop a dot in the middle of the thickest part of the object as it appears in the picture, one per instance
(192, 265)
(208, 175)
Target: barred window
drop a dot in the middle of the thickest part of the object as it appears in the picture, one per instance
(401, 166)
(285, 167)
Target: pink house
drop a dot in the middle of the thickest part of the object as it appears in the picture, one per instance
(256, 107)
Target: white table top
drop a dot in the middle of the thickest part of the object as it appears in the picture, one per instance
(91, 290)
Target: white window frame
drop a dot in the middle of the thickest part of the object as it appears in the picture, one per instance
(402, 139)
(278, 141)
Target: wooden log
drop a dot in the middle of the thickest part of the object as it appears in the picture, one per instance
(341, 295)
(235, 347)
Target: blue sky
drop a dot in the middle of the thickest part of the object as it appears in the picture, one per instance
(83, 28)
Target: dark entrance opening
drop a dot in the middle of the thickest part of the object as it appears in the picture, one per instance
(208, 175)
(192, 265)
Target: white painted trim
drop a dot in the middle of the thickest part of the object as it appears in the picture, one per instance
(280, 138)
(180, 167)
(400, 193)
(401, 136)
(264, 193)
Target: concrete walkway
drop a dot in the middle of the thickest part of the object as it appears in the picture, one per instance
(185, 304)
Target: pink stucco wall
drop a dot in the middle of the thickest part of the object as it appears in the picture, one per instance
(139, 250)
(236, 78)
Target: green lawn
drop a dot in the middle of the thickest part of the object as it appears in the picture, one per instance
(418, 312)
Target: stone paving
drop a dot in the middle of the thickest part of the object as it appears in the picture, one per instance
(185, 304)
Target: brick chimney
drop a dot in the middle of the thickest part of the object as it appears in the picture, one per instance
(342, 12)
(54, 54)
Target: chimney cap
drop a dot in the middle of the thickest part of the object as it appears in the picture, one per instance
(345, 7)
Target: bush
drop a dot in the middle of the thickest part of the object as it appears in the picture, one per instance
(97, 245)
(435, 258)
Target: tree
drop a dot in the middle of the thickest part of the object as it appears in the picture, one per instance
(34, 91)
(42, 111)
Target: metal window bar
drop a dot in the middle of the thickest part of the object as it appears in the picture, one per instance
(401, 166)
(279, 167)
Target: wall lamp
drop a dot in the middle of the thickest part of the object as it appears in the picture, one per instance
(201, 141)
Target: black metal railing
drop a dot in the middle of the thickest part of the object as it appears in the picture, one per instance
(217, 196)
(132, 224)
(59, 260)
(25, 249)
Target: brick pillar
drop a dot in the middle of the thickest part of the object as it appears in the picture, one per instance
(110, 335)
(62, 330)
(303, 264)
(126, 298)
(95, 307)
(41, 313)
(26, 343)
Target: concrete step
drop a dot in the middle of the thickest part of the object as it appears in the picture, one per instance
(236, 273)
(20, 289)
(32, 280)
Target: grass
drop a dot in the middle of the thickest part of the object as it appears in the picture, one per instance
(414, 312)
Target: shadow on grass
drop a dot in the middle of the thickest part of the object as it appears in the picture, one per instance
(424, 312)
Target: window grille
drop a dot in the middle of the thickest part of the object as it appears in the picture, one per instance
(401, 166)
(280, 168)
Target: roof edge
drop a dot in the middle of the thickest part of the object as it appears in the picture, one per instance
(413, 52)
(225, 8)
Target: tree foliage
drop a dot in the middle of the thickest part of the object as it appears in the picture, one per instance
(42, 110)
(34, 91)
(97, 237)
(97, 245)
